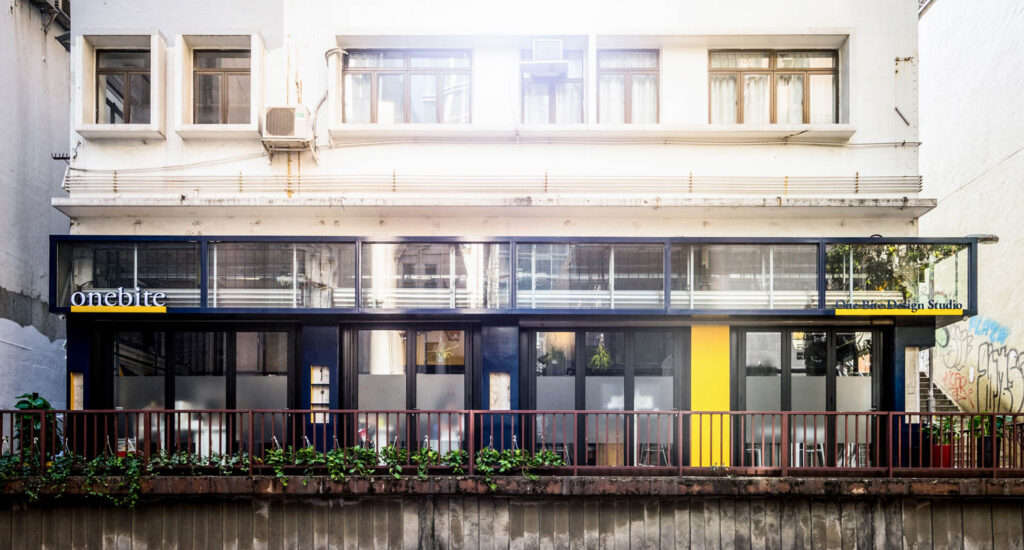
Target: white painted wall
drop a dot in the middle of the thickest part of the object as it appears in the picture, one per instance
(35, 96)
(973, 162)
(870, 34)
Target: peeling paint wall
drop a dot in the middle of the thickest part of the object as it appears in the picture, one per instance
(35, 96)
(972, 159)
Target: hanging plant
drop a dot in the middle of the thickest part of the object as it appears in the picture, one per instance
(600, 359)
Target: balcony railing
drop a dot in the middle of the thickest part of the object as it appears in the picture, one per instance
(783, 443)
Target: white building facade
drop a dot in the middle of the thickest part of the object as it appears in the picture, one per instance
(474, 205)
(36, 94)
(972, 159)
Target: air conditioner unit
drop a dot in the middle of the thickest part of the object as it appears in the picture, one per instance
(547, 61)
(287, 128)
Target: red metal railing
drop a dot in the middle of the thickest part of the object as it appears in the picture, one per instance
(871, 444)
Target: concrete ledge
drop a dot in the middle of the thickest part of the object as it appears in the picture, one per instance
(568, 486)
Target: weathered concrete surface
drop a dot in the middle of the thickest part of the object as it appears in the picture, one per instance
(520, 522)
(567, 486)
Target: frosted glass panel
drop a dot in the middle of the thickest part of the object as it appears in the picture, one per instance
(808, 393)
(139, 392)
(440, 391)
(378, 391)
(605, 393)
(763, 363)
(261, 392)
(556, 393)
(199, 392)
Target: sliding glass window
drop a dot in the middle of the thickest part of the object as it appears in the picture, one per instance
(562, 276)
(744, 276)
(168, 267)
(282, 275)
(435, 275)
(896, 273)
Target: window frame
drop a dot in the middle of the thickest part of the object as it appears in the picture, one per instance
(102, 385)
(628, 74)
(407, 71)
(552, 84)
(773, 71)
(879, 368)
(126, 74)
(222, 74)
(349, 392)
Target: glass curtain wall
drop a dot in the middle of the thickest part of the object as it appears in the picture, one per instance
(282, 275)
(168, 267)
(898, 273)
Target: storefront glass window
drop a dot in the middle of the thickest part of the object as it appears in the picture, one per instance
(272, 274)
(199, 364)
(571, 276)
(440, 386)
(382, 365)
(748, 276)
(898, 273)
(434, 275)
(168, 267)
(653, 382)
(140, 367)
(605, 371)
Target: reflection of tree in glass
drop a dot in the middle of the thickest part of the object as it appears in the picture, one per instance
(879, 267)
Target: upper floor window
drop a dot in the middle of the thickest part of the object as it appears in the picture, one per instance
(554, 99)
(769, 87)
(221, 86)
(406, 86)
(627, 86)
(122, 87)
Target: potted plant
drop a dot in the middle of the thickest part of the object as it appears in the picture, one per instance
(600, 359)
(982, 428)
(942, 436)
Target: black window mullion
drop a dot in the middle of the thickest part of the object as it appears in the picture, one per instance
(230, 368)
(410, 361)
(787, 370)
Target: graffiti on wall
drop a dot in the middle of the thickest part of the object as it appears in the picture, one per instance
(976, 367)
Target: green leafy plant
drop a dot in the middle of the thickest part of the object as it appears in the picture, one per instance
(336, 461)
(981, 425)
(278, 458)
(424, 458)
(455, 459)
(29, 424)
(600, 359)
(311, 459)
(942, 430)
(361, 460)
(116, 478)
(394, 458)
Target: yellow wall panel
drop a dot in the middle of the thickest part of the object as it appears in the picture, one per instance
(709, 391)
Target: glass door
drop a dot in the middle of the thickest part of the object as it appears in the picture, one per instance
(809, 372)
(630, 376)
(408, 368)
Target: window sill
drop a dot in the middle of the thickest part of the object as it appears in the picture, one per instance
(218, 131)
(596, 133)
(120, 131)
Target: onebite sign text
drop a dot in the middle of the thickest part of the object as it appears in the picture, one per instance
(119, 300)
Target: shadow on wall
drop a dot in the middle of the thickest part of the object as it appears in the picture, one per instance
(30, 362)
(976, 367)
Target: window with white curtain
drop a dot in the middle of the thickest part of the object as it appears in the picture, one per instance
(773, 87)
(627, 86)
(554, 100)
(406, 86)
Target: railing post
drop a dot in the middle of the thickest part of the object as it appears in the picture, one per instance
(679, 441)
(785, 444)
(995, 448)
(42, 442)
(889, 443)
(472, 440)
(251, 457)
